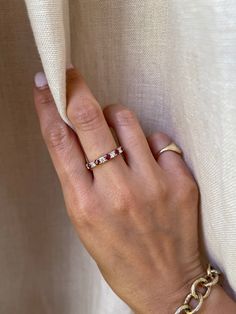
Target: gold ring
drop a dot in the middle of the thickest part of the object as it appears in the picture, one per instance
(104, 158)
(171, 147)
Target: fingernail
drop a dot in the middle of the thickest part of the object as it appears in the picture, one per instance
(40, 80)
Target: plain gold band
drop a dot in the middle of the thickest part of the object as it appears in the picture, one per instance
(171, 147)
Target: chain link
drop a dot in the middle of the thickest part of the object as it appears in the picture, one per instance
(208, 281)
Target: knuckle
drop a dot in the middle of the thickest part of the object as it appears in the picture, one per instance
(187, 191)
(55, 136)
(44, 98)
(159, 137)
(157, 188)
(125, 117)
(87, 115)
(73, 76)
(83, 212)
(79, 217)
(82, 217)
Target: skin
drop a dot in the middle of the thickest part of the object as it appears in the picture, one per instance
(137, 216)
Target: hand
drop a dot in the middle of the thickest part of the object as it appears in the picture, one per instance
(136, 216)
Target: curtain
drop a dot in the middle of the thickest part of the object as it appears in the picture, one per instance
(173, 63)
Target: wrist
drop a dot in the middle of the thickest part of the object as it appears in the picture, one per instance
(168, 299)
(218, 302)
(215, 300)
(199, 291)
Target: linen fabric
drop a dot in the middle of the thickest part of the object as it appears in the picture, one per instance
(50, 24)
(173, 63)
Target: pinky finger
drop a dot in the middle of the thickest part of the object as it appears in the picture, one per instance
(169, 161)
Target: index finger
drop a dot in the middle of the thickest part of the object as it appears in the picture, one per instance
(64, 148)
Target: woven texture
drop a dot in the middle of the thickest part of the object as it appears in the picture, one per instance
(173, 63)
(50, 24)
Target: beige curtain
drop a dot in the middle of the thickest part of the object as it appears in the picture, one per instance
(173, 63)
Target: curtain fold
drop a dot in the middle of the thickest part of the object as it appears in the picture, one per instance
(50, 25)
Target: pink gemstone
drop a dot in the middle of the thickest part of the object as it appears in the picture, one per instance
(116, 151)
(108, 156)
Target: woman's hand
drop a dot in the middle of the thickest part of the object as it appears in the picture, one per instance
(136, 216)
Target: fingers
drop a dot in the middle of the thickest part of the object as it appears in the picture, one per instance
(66, 153)
(169, 160)
(87, 117)
(131, 136)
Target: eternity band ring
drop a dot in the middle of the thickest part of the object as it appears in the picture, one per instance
(104, 158)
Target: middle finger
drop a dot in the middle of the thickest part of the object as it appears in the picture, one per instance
(90, 124)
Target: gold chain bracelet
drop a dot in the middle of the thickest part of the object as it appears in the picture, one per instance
(208, 281)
